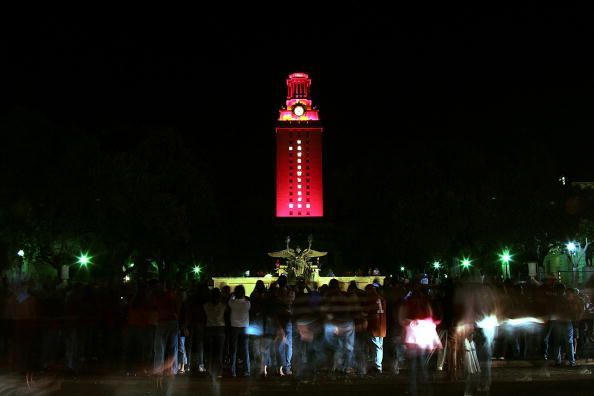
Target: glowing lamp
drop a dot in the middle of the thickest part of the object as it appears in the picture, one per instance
(21, 253)
(505, 257)
(402, 269)
(571, 247)
(436, 265)
(466, 263)
(197, 270)
(84, 259)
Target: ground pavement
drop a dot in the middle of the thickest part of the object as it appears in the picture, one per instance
(509, 378)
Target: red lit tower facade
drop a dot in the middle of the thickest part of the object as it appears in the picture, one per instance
(299, 188)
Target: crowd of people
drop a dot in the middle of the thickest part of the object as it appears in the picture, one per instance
(159, 329)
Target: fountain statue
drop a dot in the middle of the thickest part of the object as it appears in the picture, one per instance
(299, 263)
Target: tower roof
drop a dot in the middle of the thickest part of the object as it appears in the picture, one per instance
(298, 96)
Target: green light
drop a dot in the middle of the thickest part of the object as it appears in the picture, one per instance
(84, 259)
(505, 257)
(197, 270)
(466, 262)
(21, 253)
(402, 269)
(436, 265)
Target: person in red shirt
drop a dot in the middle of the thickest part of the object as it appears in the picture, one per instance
(167, 332)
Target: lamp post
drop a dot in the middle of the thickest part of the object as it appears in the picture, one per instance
(24, 269)
(505, 257)
(197, 269)
(572, 248)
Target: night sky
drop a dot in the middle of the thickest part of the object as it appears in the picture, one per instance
(412, 99)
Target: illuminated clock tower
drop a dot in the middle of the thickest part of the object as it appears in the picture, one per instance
(299, 188)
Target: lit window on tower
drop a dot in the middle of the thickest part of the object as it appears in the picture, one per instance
(290, 148)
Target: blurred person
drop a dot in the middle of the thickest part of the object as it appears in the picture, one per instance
(376, 325)
(5, 296)
(586, 319)
(396, 293)
(51, 311)
(416, 316)
(257, 322)
(471, 365)
(71, 328)
(197, 328)
(308, 323)
(358, 299)
(443, 304)
(23, 312)
(284, 296)
(215, 332)
(240, 320)
(509, 339)
(184, 332)
(272, 331)
(545, 302)
(576, 310)
(477, 303)
(562, 327)
(339, 329)
(167, 332)
(227, 348)
(138, 336)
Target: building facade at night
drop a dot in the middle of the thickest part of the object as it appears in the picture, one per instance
(299, 187)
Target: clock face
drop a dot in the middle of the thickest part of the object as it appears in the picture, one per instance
(298, 110)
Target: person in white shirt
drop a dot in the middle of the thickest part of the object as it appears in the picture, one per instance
(240, 320)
